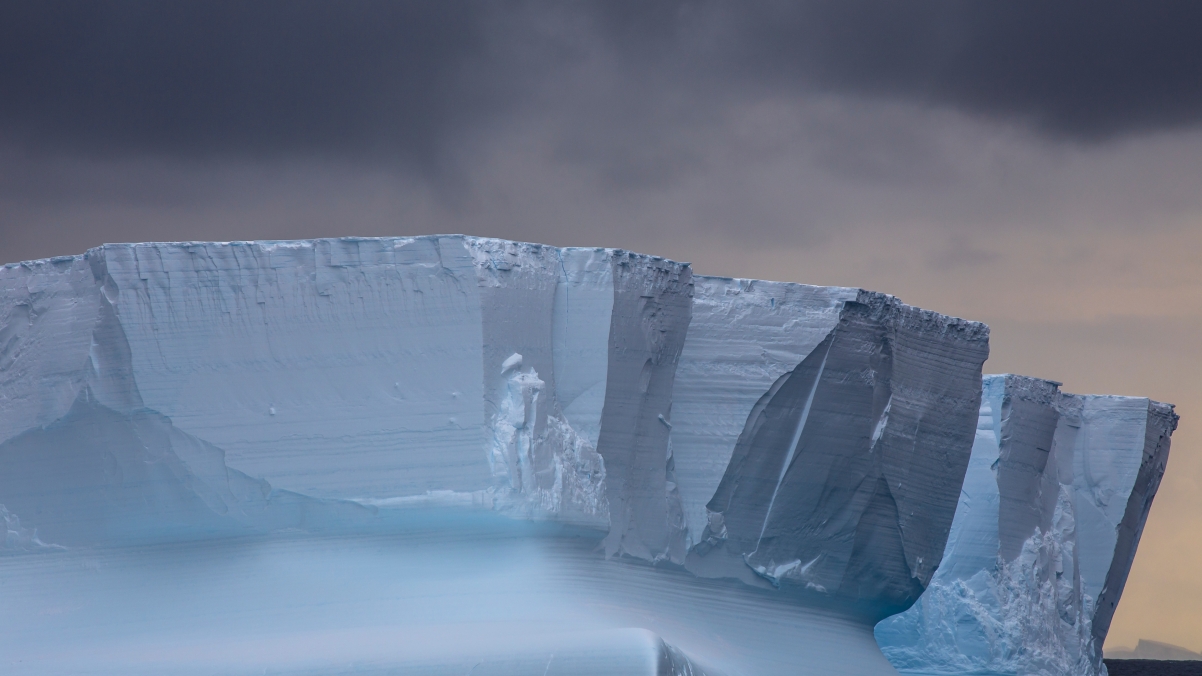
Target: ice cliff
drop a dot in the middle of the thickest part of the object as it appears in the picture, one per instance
(529, 379)
(756, 472)
(1054, 501)
(833, 466)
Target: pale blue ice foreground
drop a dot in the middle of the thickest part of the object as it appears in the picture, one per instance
(471, 456)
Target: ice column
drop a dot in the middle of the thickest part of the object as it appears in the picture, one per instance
(652, 304)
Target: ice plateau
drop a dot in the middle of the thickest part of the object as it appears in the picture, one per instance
(452, 454)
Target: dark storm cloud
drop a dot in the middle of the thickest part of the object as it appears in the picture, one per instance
(1075, 67)
(256, 77)
(398, 79)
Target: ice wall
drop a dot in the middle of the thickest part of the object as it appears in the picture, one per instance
(527, 379)
(745, 334)
(842, 482)
(384, 371)
(1054, 499)
(754, 471)
(539, 460)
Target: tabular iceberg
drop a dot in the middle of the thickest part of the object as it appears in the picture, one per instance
(443, 454)
(1054, 501)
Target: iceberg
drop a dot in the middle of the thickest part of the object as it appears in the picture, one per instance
(1054, 501)
(452, 454)
(1153, 650)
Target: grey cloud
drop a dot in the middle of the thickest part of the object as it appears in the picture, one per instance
(759, 178)
(1077, 68)
(402, 80)
(634, 124)
(248, 78)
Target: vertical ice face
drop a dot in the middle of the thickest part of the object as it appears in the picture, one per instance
(380, 370)
(584, 303)
(652, 305)
(48, 311)
(336, 368)
(84, 459)
(744, 335)
(1054, 499)
(1117, 476)
(540, 461)
(821, 426)
(843, 481)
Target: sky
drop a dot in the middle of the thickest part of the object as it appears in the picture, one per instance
(1033, 165)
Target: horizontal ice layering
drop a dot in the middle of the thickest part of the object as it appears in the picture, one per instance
(771, 446)
(1053, 504)
(832, 468)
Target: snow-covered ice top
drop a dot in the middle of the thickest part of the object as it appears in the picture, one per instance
(1054, 501)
